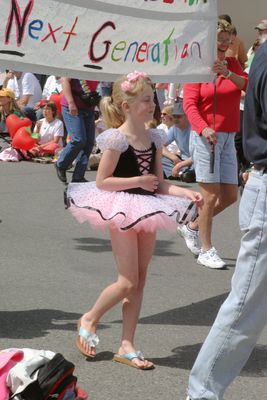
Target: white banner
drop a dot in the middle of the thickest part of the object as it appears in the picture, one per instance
(171, 40)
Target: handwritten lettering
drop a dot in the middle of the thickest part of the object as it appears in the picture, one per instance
(107, 43)
(19, 21)
(140, 52)
(101, 47)
(189, 2)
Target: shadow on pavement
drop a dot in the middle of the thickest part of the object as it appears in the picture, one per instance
(103, 356)
(93, 244)
(29, 324)
(98, 245)
(183, 357)
(202, 313)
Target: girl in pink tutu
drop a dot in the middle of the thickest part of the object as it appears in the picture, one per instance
(131, 199)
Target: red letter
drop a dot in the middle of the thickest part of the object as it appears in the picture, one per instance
(185, 51)
(70, 33)
(142, 49)
(51, 33)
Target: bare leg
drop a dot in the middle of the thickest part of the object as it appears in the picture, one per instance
(210, 193)
(125, 249)
(217, 197)
(228, 196)
(132, 304)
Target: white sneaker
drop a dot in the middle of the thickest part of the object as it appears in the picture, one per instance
(191, 238)
(211, 259)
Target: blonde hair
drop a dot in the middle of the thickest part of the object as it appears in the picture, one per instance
(110, 106)
(13, 107)
(224, 26)
(167, 110)
(152, 124)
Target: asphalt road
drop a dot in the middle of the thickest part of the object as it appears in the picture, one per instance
(53, 268)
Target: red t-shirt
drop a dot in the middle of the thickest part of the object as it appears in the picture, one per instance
(198, 102)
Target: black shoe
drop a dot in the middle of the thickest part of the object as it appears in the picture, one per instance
(61, 174)
(81, 180)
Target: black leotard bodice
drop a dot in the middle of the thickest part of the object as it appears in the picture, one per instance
(133, 162)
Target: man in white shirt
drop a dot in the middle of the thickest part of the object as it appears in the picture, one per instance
(27, 90)
(52, 85)
(26, 87)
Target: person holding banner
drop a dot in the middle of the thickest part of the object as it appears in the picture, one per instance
(242, 317)
(79, 118)
(213, 111)
(131, 199)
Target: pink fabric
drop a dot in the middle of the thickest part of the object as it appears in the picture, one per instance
(50, 148)
(7, 361)
(124, 211)
(198, 102)
(10, 154)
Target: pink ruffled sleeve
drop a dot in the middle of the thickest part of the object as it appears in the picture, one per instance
(159, 137)
(112, 139)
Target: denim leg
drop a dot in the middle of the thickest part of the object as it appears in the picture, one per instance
(243, 315)
(167, 166)
(72, 149)
(88, 127)
(81, 128)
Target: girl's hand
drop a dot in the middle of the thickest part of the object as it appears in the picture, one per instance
(149, 182)
(196, 197)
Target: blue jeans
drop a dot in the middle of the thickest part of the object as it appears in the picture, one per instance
(81, 128)
(243, 315)
(168, 165)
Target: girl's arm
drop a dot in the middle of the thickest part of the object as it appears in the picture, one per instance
(106, 181)
(166, 188)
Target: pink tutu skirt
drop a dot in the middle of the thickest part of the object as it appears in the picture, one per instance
(124, 211)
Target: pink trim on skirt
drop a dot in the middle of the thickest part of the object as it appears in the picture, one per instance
(124, 211)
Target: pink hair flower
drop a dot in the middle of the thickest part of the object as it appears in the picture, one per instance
(126, 86)
(133, 76)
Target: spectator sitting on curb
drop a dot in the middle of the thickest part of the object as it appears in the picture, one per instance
(8, 106)
(27, 91)
(51, 131)
(178, 164)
